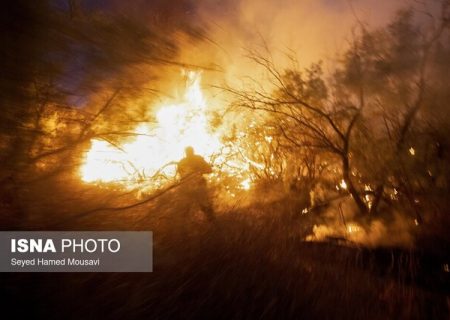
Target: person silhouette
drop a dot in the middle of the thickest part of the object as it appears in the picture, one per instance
(193, 164)
(194, 187)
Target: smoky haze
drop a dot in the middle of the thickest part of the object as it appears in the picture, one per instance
(314, 30)
(312, 190)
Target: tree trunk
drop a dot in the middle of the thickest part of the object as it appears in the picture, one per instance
(350, 186)
(378, 194)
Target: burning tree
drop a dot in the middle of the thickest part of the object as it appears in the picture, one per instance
(364, 114)
(98, 117)
(67, 72)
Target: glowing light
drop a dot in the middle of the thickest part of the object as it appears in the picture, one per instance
(353, 228)
(368, 200)
(157, 147)
(343, 184)
(412, 151)
(246, 184)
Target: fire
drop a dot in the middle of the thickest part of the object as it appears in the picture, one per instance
(157, 148)
(353, 227)
(246, 184)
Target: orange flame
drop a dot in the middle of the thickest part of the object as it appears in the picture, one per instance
(178, 125)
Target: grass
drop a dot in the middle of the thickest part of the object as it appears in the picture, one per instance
(242, 267)
(253, 263)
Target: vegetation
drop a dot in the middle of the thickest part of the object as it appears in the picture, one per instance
(362, 147)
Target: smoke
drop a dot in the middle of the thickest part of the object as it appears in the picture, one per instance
(310, 30)
(215, 36)
(393, 228)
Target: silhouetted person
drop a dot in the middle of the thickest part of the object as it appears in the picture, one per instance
(193, 164)
(194, 189)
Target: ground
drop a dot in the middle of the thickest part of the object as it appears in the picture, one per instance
(242, 267)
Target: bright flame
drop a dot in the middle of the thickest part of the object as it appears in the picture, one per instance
(343, 184)
(156, 148)
(246, 184)
(353, 227)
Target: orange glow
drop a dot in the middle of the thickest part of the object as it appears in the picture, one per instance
(158, 147)
(246, 184)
